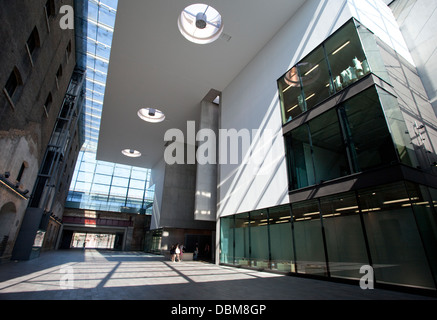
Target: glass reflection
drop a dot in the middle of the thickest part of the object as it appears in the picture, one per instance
(330, 159)
(333, 66)
(301, 169)
(308, 237)
(315, 78)
(242, 256)
(391, 227)
(344, 236)
(259, 253)
(281, 239)
(346, 57)
(227, 240)
(395, 244)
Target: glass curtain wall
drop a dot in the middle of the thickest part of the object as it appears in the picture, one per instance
(344, 235)
(356, 136)
(282, 256)
(392, 228)
(259, 239)
(227, 240)
(242, 240)
(308, 236)
(423, 201)
(99, 185)
(105, 186)
(395, 243)
(341, 60)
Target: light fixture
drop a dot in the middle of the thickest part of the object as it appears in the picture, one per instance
(311, 214)
(200, 23)
(347, 208)
(341, 48)
(397, 201)
(311, 96)
(131, 153)
(312, 69)
(294, 107)
(152, 115)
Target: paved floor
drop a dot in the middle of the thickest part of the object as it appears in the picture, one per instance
(100, 275)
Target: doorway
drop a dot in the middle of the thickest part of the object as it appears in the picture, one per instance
(204, 244)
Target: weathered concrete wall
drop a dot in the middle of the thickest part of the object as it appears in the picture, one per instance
(25, 127)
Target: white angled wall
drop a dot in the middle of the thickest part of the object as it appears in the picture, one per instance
(251, 100)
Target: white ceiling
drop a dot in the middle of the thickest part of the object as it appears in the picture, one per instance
(153, 65)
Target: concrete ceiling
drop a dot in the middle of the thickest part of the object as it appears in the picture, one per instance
(153, 65)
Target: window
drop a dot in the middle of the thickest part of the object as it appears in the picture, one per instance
(344, 236)
(314, 74)
(48, 104)
(310, 253)
(68, 50)
(369, 140)
(59, 72)
(50, 8)
(328, 150)
(301, 169)
(394, 240)
(33, 42)
(351, 138)
(12, 83)
(20, 173)
(11, 86)
(259, 249)
(281, 239)
(241, 238)
(346, 57)
(334, 65)
(58, 76)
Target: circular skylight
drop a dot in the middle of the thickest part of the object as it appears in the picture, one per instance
(131, 153)
(200, 23)
(151, 115)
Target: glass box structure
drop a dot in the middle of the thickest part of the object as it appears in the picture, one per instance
(355, 194)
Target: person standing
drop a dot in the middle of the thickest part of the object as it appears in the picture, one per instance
(182, 247)
(173, 253)
(196, 252)
(178, 252)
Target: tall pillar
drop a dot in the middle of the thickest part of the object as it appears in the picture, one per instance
(206, 178)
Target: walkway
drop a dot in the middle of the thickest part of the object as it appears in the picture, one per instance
(100, 275)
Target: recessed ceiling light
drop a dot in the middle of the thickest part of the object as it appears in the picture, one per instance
(131, 153)
(200, 23)
(151, 115)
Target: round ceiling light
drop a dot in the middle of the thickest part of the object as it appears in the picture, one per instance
(131, 153)
(151, 115)
(200, 23)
